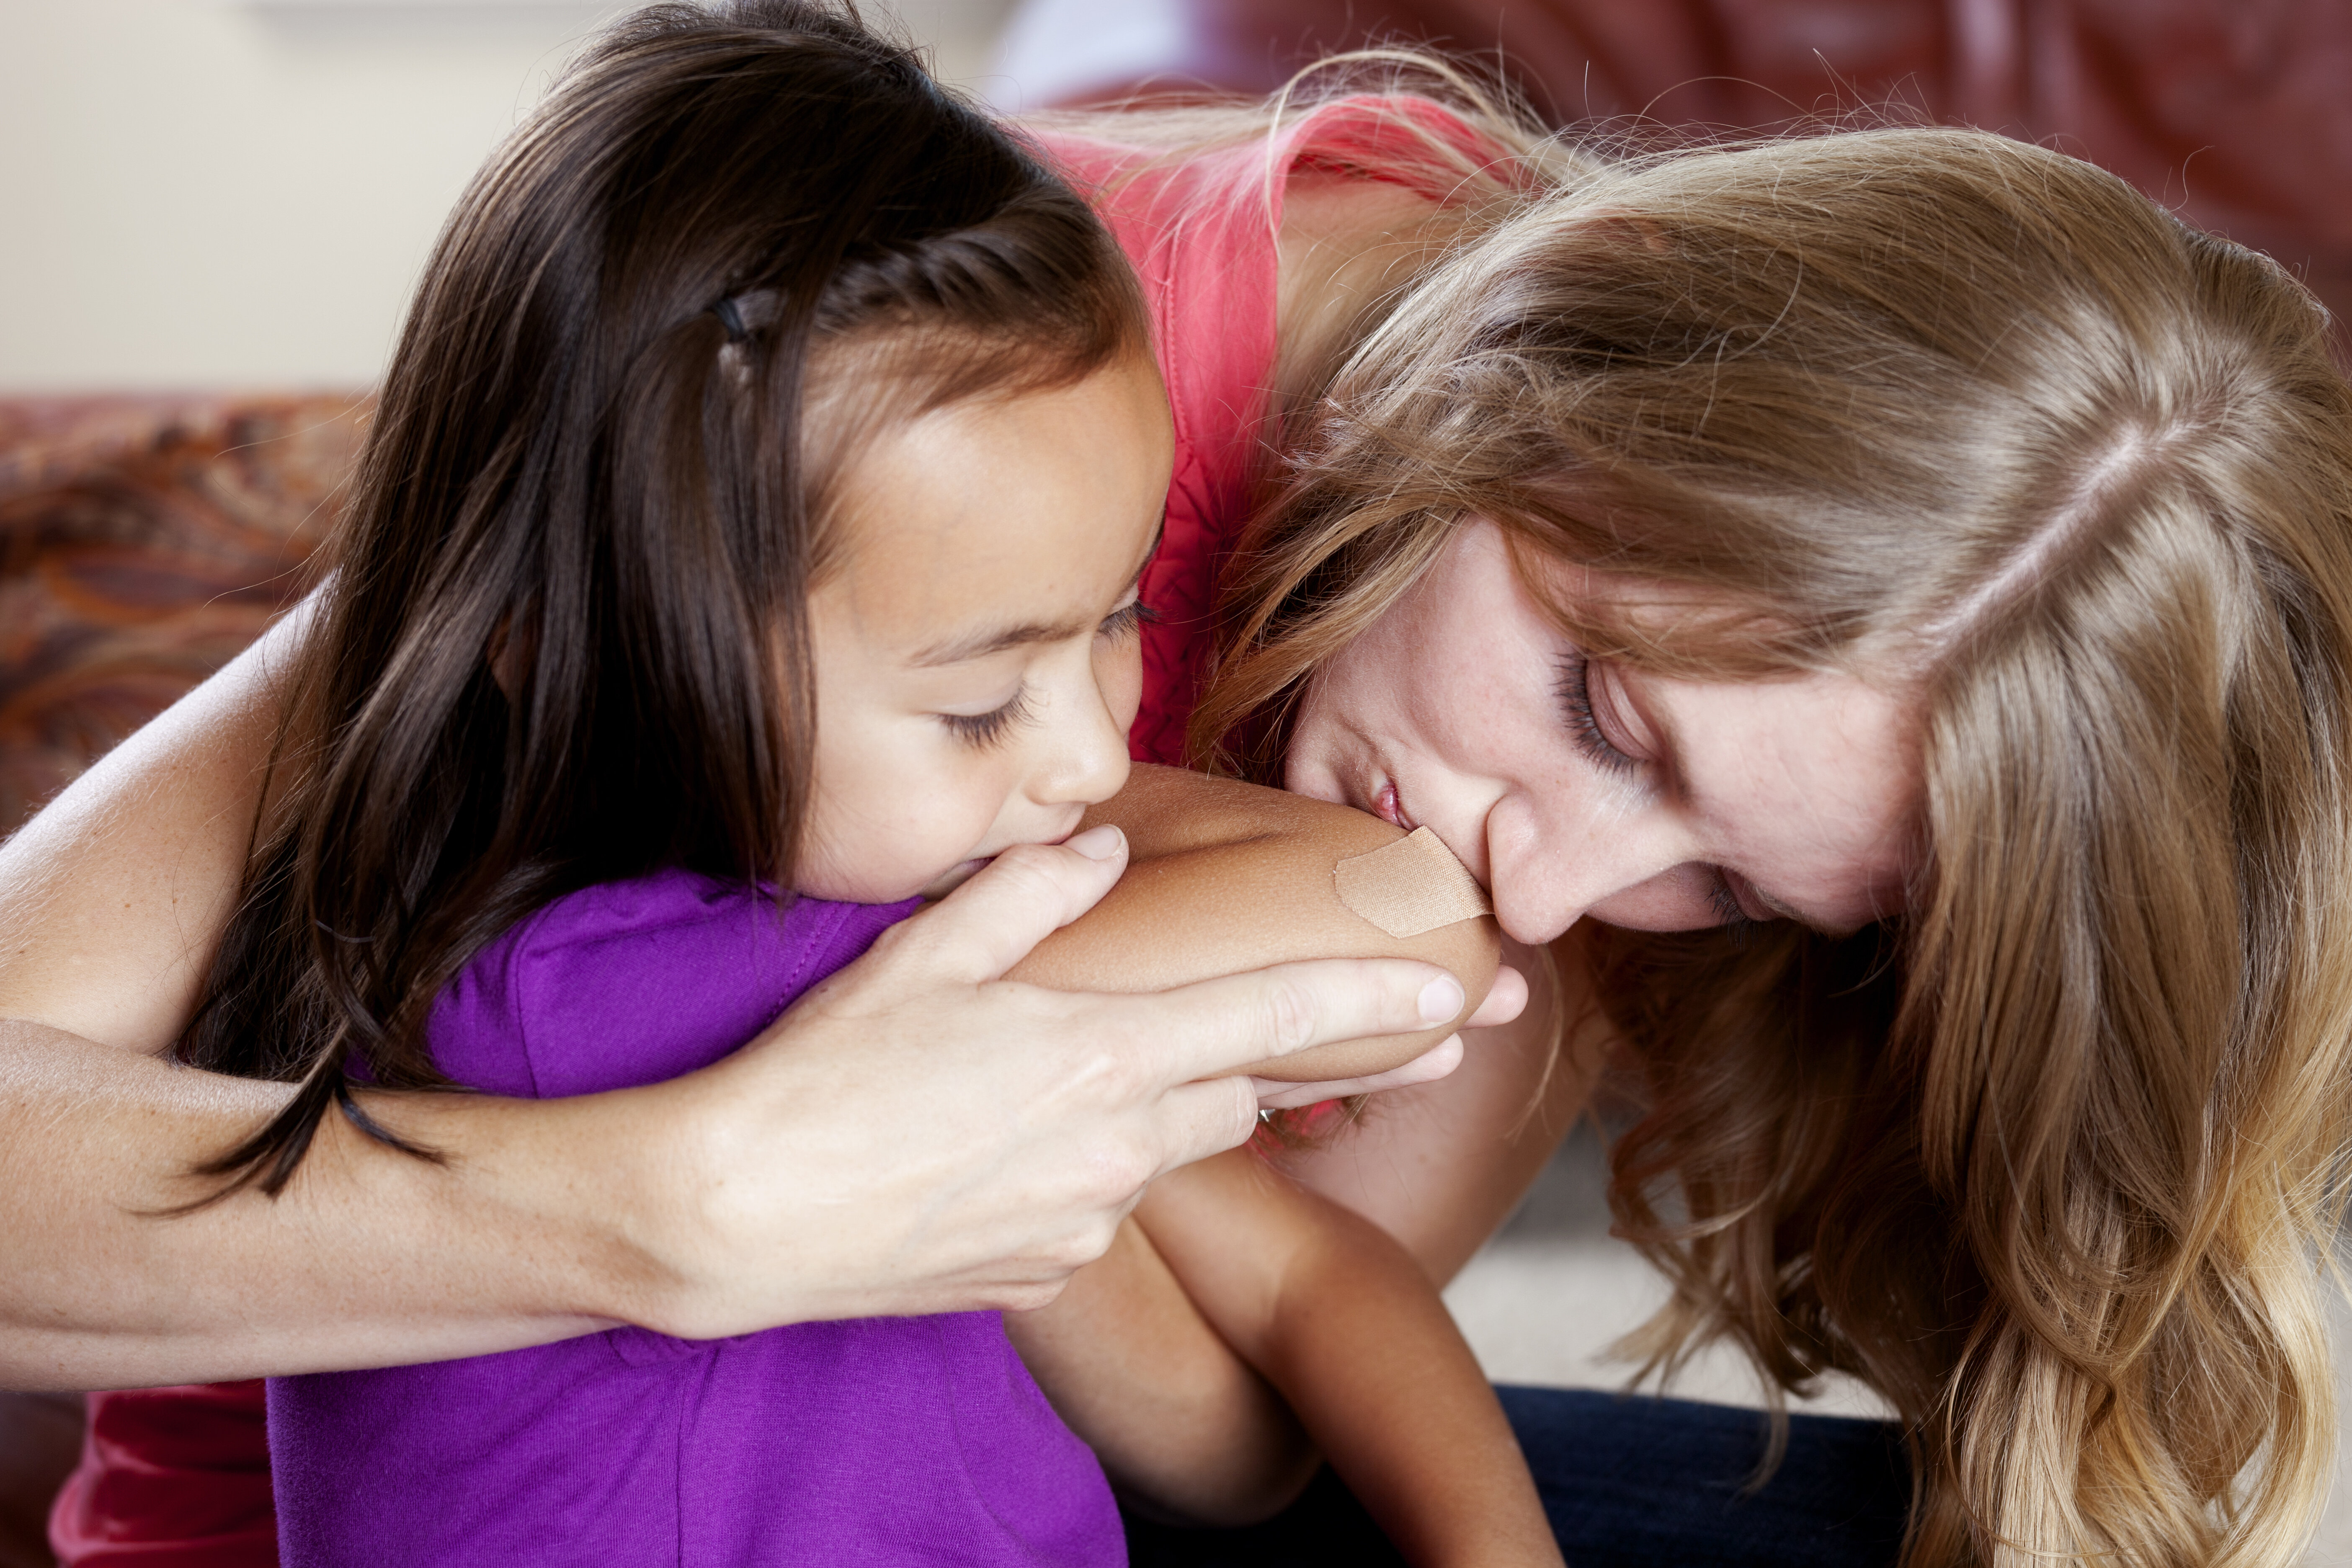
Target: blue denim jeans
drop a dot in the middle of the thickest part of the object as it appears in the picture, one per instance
(1629, 1481)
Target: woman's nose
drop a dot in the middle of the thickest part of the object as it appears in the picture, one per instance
(1534, 900)
(1545, 876)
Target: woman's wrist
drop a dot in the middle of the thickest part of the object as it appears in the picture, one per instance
(579, 1213)
(369, 1258)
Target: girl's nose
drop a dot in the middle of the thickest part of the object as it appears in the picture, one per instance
(1089, 760)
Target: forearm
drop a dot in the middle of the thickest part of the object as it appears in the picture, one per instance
(1363, 1349)
(371, 1257)
(1337, 1316)
(1186, 1431)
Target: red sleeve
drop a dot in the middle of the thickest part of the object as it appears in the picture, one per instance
(170, 1477)
(1201, 231)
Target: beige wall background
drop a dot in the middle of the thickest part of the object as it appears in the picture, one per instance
(238, 193)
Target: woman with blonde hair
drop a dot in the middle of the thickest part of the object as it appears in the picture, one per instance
(2045, 1150)
(1922, 561)
(1876, 612)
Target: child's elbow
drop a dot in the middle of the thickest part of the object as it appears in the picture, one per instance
(1231, 877)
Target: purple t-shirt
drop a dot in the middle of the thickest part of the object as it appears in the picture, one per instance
(884, 1440)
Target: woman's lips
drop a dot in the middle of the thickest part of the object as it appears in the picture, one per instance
(1388, 808)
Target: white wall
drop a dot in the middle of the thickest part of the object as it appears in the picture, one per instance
(227, 194)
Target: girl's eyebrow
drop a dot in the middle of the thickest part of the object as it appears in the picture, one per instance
(980, 645)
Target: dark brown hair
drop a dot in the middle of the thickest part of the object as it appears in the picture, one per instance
(590, 469)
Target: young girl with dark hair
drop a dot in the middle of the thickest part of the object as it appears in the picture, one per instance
(757, 502)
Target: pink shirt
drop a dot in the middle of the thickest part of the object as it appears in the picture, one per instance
(1201, 235)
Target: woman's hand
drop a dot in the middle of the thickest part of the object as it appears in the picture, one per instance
(918, 1135)
(1504, 1002)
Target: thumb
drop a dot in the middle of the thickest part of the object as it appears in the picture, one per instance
(1016, 901)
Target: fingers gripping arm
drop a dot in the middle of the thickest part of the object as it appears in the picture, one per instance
(685, 1206)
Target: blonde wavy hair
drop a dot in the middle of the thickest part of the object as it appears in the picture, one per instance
(2052, 1162)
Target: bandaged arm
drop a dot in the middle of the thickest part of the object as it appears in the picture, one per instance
(1136, 1358)
(1225, 877)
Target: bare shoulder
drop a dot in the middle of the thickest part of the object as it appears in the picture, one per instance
(1346, 244)
(1326, 210)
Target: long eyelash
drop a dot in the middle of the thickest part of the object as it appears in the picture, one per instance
(1125, 623)
(983, 730)
(1575, 690)
(1729, 916)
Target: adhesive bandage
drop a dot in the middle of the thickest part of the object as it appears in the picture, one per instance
(1410, 886)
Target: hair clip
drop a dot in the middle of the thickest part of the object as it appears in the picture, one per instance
(732, 320)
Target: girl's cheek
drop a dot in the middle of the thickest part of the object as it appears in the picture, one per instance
(1118, 676)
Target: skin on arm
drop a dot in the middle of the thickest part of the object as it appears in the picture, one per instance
(1189, 1427)
(731, 1200)
(1440, 1167)
(1188, 1432)
(1225, 877)
(1336, 1315)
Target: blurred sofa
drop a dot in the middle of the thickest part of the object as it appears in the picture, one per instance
(144, 542)
(2236, 113)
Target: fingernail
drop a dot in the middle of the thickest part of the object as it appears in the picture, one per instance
(1441, 1000)
(1099, 843)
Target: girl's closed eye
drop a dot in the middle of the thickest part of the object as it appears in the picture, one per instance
(984, 730)
(981, 730)
(1127, 620)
